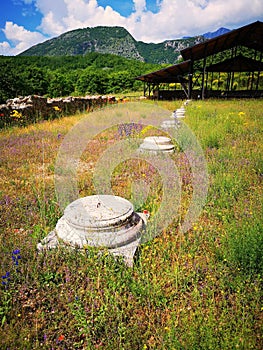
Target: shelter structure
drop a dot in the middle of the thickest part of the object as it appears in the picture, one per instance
(230, 65)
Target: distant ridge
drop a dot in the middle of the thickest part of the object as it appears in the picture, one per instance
(220, 31)
(118, 41)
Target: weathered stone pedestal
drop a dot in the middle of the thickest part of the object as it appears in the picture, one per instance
(179, 113)
(157, 144)
(173, 123)
(102, 221)
(186, 102)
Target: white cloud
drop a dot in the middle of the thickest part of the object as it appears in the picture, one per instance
(57, 7)
(20, 39)
(51, 26)
(68, 15)
(176, 18)
(5, 49)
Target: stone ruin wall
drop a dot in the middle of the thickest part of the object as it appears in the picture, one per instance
(33, 108)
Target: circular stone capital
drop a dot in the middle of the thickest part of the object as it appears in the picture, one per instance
(98, 212)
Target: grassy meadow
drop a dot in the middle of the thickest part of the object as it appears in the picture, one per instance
(197, 290)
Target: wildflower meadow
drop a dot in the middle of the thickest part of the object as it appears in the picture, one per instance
(199, 289)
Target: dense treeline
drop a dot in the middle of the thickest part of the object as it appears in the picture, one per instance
(93, 73)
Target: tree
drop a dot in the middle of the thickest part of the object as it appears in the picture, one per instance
(120, 81)
(35, 79)
(92, 82)
(11, 82)
(59, 85)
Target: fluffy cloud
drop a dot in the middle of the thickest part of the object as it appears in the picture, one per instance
(68, 15)
(5, 49)
(175, 18)
(20, 39)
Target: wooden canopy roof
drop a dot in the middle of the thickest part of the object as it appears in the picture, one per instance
(173, 74)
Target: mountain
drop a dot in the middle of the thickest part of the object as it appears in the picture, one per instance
(113, 40)
(220, 31)
(117, 41)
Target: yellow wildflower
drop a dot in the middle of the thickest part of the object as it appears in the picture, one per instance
(16, 114)
(56, 108)
(144, 130)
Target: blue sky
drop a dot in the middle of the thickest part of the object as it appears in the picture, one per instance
(24, 23)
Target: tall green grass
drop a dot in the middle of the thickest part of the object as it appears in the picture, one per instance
(198, 290)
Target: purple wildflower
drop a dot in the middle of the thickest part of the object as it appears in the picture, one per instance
(6, 279)
(16, 256)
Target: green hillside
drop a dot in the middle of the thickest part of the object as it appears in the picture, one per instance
(113, 40)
